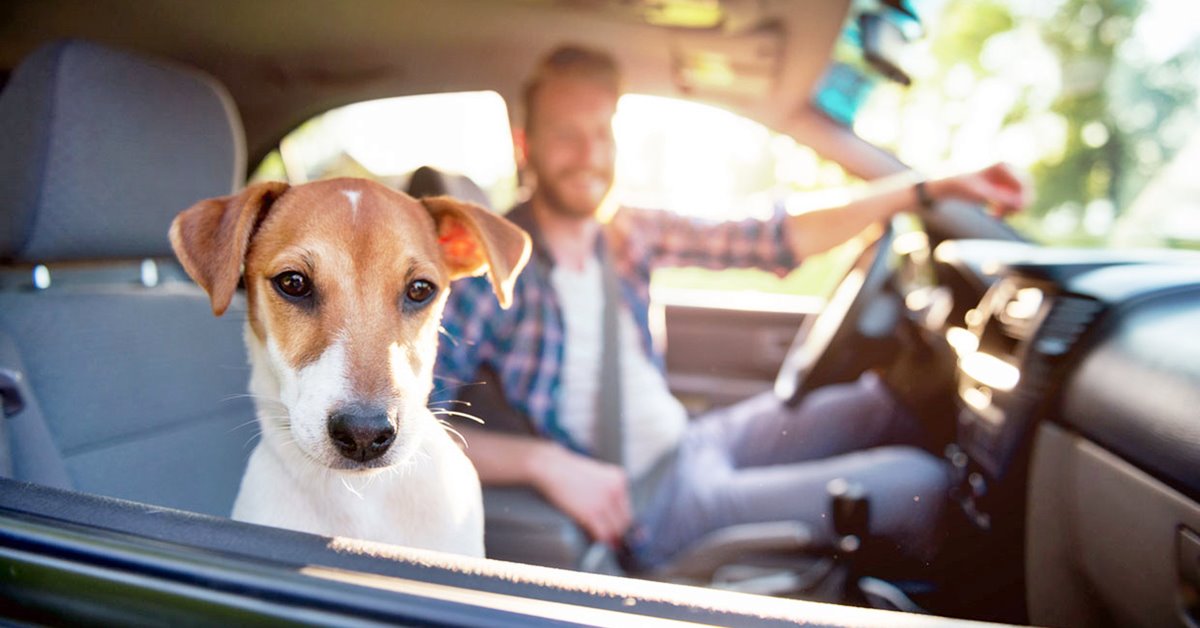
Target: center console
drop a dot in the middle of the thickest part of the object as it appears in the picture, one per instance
(1010, 356)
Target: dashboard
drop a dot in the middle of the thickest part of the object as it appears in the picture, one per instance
(1027, 352)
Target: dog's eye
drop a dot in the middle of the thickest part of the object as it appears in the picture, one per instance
(419, 292)
(293, 284)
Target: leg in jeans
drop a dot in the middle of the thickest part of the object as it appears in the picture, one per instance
(761, 461)
(831, 420)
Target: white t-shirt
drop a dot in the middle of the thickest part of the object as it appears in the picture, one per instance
(654, 419)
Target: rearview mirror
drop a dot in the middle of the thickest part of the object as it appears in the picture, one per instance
(882, 43)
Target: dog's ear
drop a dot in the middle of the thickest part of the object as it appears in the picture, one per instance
(210, 238)
(474, 240)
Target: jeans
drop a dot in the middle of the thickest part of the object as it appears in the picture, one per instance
(760, 461)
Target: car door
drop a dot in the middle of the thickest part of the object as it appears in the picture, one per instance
(719, 352)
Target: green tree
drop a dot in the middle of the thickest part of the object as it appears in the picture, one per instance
(1084, 35)
(1124, 114)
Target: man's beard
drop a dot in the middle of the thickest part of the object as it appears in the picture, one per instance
(568, 205)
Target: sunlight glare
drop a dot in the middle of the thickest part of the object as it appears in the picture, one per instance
(467, 133)
(687, 157)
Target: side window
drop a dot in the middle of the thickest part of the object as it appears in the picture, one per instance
(693, 159)
(385, 140)
(709, 163)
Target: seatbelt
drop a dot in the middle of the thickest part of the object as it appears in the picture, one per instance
(609, 432)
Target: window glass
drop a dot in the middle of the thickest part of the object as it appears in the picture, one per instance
(697, 160)
(709, 163)
(466, 133)
(1097, 100)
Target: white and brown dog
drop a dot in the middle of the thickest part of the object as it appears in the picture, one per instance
(345, 284)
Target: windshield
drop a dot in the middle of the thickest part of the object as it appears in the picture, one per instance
(735, 169)
(1096, 99)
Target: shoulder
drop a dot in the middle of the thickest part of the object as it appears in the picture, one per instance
(638, 223)
(632, 216)
(469, 295)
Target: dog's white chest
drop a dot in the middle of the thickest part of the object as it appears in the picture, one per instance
(432, 503)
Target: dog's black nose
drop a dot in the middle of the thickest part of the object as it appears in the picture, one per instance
(361, 436)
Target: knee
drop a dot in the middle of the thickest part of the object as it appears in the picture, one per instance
(914, 469)
(864, 405)
(910, 511)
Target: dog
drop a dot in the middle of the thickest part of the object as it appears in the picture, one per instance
(345, 282)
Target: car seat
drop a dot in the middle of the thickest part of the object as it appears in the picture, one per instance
(121, 381)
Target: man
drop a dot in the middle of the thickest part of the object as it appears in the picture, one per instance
(755, 461)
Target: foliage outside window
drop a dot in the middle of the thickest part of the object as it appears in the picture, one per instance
(1096, 98)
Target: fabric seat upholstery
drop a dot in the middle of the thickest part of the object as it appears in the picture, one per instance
(139, 387)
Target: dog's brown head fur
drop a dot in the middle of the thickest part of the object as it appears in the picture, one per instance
(345, 282)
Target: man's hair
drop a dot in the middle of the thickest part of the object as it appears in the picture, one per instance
(573, 62)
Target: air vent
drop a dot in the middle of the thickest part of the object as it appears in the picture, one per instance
(1067, 320)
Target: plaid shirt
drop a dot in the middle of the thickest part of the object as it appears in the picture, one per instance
(524, 344)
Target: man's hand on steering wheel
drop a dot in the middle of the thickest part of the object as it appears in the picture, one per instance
(828, 346)
(998, 186)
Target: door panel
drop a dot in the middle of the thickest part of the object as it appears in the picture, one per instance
(717, 354)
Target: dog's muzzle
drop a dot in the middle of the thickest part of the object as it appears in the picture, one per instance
(361, 435)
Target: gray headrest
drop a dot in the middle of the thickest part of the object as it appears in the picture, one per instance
(102, 148)
(427, 181)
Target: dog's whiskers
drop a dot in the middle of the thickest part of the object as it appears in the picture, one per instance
(442, 331)
(281, 421)
(446, 412)
(455, 380)
(242, 425)
(275, 429)
(350, 488)
(446, 426)
(253, 396)
(458, 401)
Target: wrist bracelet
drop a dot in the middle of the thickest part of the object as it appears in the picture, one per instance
(924, 199)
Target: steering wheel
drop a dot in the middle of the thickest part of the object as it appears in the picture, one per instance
(852, 332)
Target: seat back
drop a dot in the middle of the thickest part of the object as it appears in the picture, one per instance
(137, 389)
(428, 181)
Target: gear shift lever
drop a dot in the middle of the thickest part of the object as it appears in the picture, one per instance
(851, 510)
(852, 522)
(851, 513)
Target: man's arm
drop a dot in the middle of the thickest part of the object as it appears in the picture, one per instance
(595, 494)
(820, 228)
